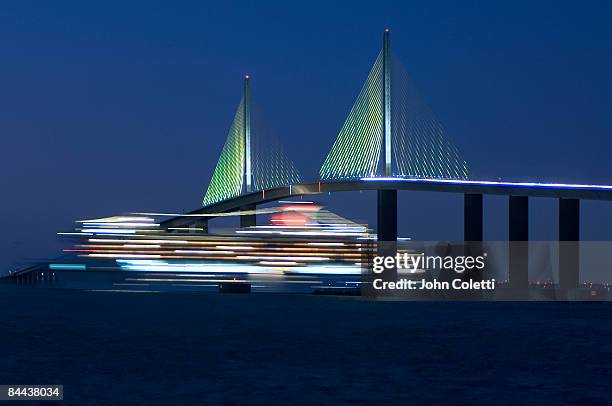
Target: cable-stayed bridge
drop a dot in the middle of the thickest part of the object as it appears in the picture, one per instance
(251, 160)
(391, 140)
(390, 132)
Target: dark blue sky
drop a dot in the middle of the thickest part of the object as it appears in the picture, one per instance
(114, 107)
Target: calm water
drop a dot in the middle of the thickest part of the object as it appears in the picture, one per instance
(160, 348)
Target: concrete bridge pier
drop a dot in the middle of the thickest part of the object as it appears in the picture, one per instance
(387, 229)
(473, 237)
(387, 215)
(248, 220)
(472, 217)
(569, 240)
(518, 245)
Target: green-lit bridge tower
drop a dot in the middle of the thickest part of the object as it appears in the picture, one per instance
(387, 199)
(247, 220)
(251, 160)
(391, 132)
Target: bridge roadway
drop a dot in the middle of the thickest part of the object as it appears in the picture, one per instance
(466, 187)
(568, 196)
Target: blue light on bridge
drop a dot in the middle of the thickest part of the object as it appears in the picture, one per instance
(492, 183)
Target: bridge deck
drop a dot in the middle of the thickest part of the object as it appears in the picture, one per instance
(553, 190)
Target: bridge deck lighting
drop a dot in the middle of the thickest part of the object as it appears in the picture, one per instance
(492, 183)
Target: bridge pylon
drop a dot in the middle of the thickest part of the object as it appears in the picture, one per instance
(248, 187)
(390, 131)
(386, 53)
(251, 160)
(387, 199)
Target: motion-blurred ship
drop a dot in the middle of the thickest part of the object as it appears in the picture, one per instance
(303, 248)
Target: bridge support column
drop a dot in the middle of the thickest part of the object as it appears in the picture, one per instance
(518, 241)
(569, 250)
(472, 236)
(472, 217)
(387, 215)
(387, 229)
(248, 220)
